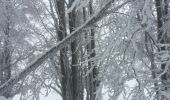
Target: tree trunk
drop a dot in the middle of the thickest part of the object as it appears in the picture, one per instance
(91, 81)
(95, 82)
(64, 62)
(162, 12)
(75, 56)
(6, 55)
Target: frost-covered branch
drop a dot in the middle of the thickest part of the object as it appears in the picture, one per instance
(34, 65)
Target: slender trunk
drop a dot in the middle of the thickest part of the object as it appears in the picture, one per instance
(6, 60)
(75, 56)
(6, 54)
(64, 62)
(162, 11)
(92, 77)
(75, 70)
(96, 81)
(87, 79)
(150, 49)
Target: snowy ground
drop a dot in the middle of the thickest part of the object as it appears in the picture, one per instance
(53, 95)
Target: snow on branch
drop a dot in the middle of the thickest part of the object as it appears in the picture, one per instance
(34, 65)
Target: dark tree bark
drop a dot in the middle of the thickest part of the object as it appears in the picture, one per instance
(5, 63)
(94, 74)
(75, 56)
(162, 12)
(64, 61)
(91, 80)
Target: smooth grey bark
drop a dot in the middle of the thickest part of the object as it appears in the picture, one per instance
(75, 56)
(64, 62)
(60, 26)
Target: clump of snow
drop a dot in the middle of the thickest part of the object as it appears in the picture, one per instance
(3, 98)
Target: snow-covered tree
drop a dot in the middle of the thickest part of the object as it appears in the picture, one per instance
(80, 48)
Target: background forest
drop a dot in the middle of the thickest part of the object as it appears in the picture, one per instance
(85, 49)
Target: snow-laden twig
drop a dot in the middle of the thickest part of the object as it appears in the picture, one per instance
(35, 64)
